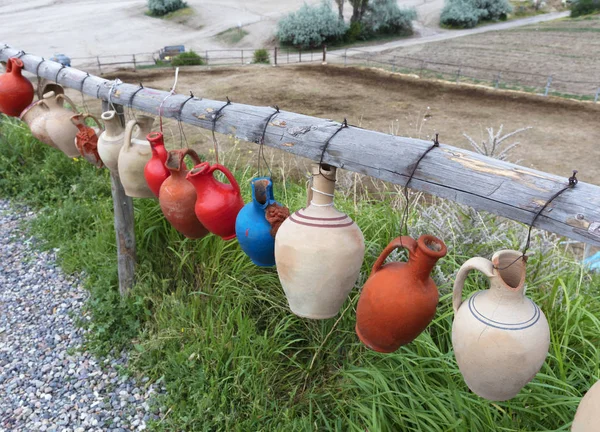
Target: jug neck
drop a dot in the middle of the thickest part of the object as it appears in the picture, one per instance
(157, 143)
(323, 185)
(423, 258)
(508, 281)
(144, 122)
(262, 192)
(112, 123)
(201, 176)
(15, 66)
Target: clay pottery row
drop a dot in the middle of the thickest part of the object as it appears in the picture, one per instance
(50, 122)
(254, 232)
(500, 337)
(587, 418)
(177, 196)
(16, 92)
(319, 252)
(133, 157)
(399, 300)
(155, 171)
(218, 203)
(86, 139)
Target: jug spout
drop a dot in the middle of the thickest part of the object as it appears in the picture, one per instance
(198, 174)
(425, 254)
(144, 123)
(112, 123)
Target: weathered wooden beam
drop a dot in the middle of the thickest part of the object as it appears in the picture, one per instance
(502, 188)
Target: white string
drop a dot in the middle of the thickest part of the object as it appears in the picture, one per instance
(321, 192)
(321, 205)
(113, 87)
(171, 93)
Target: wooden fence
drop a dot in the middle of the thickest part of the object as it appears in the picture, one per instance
(502, 188)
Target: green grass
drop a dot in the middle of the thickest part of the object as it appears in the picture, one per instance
(180, 16)
(218, 332)
(232, 36)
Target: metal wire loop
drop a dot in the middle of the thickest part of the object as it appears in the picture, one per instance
(343, 126)
(261, 148)
(37, 69)
(62, 66)
(133, 95)
(183, 104)
(83, 81)
(216, 116)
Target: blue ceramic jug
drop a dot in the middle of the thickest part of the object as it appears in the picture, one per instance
(251, 226)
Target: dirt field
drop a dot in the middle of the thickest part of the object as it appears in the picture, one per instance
(564, 134)
(567, 49)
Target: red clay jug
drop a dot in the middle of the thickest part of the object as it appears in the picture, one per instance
(217, 204)
(16, 92)
(177, 196)
(86, 139)
(155, 170)
(399, 299)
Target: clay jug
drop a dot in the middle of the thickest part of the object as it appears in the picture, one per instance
(254, 232)
(318, 252)
(44, 86)
(500, 337)
(587, 418)
(133, 157)
(16, 92)
(86, 139)
(50, 122)
(217, 204)
(177, 196)
(399, 299)
(155, 171)
(111, 140)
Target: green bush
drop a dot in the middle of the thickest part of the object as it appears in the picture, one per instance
(262, 56)
(584, 7)
(163, 7)
(355, 33)
(385, 17)
(311, 26)
(469, 13)
(189, 58)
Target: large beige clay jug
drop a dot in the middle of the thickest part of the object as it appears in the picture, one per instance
(50, 122)
(133, 157)
(319, 252)
(587, 418)
(500, 337)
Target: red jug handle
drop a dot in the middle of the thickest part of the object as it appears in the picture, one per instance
(399, 242)
(64, 97)
(230, 177)
(9, 65)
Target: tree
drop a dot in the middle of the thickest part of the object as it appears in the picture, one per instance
(340, 4)
(385, 17)
(359, 7)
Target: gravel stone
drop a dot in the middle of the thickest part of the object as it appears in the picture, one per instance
(47, 381)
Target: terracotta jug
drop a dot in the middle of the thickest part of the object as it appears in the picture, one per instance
(500, 337)
(133, 157)
(254, 232)
(50, 122)
(177, 196)
(399, 299)
(86, 139)
(319, 252)
(155, 170)
(16, 92)
(217, 204)
(587, 418)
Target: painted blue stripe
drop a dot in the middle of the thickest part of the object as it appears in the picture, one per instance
(480, 317)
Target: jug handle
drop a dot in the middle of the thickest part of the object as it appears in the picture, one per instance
(88, 115)
(64, 98)
(187, 152)
(128, 132)
(399, 242)
(230, 177)
(9, 65)
(484, 265)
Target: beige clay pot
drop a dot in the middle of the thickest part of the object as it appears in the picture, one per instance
(319, 252)
(50, 122)
(500, 337)
(587, 418)
(133, 157)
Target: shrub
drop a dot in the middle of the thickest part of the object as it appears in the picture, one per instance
(163, 7)
(468, 13)
(189, 58)
(385, 17)
(262, 56)
(584, 7)
(355, 32)
(311, 26)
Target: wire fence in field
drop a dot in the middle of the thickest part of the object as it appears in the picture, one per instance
(424, 68)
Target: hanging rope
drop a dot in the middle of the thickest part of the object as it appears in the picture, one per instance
(171, 93)
(216, 116)
(261, 147)
(572, 183)
(342, 126)
(81, 91)
(404, 220)
(37, 69)
(113, 87)
(131, 112)
(182, 136)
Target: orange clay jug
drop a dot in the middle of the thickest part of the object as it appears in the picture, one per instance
(16, 92)
(86, 139)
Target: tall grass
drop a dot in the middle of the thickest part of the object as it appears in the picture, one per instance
(217, 329)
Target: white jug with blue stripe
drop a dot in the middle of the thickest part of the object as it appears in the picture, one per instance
(500, 336)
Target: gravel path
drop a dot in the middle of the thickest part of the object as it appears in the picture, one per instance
(46, 383)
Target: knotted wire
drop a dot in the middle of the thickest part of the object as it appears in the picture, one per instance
(171, 93)
(182, 136)
(216, 116)
(81, 91)
(342, 126)
(261, 147)
(131, 111)
(572, 183)
(62, 66)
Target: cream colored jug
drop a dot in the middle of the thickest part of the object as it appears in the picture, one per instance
(133, 157)
(500, 337)
(319, 252)
(587, 418)
(50, 122)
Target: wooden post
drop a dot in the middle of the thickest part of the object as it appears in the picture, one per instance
(206, 56)
(99, 65)
(498, 78)
(324, 54)
(124, 224)
(597, 95)
(548, 84)
(394, 64)
(422, 69)
(288, 56)
(275, 56)
(134, 64)
(242, 56)
(458, 74)
(299, 55)
(345, 57)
